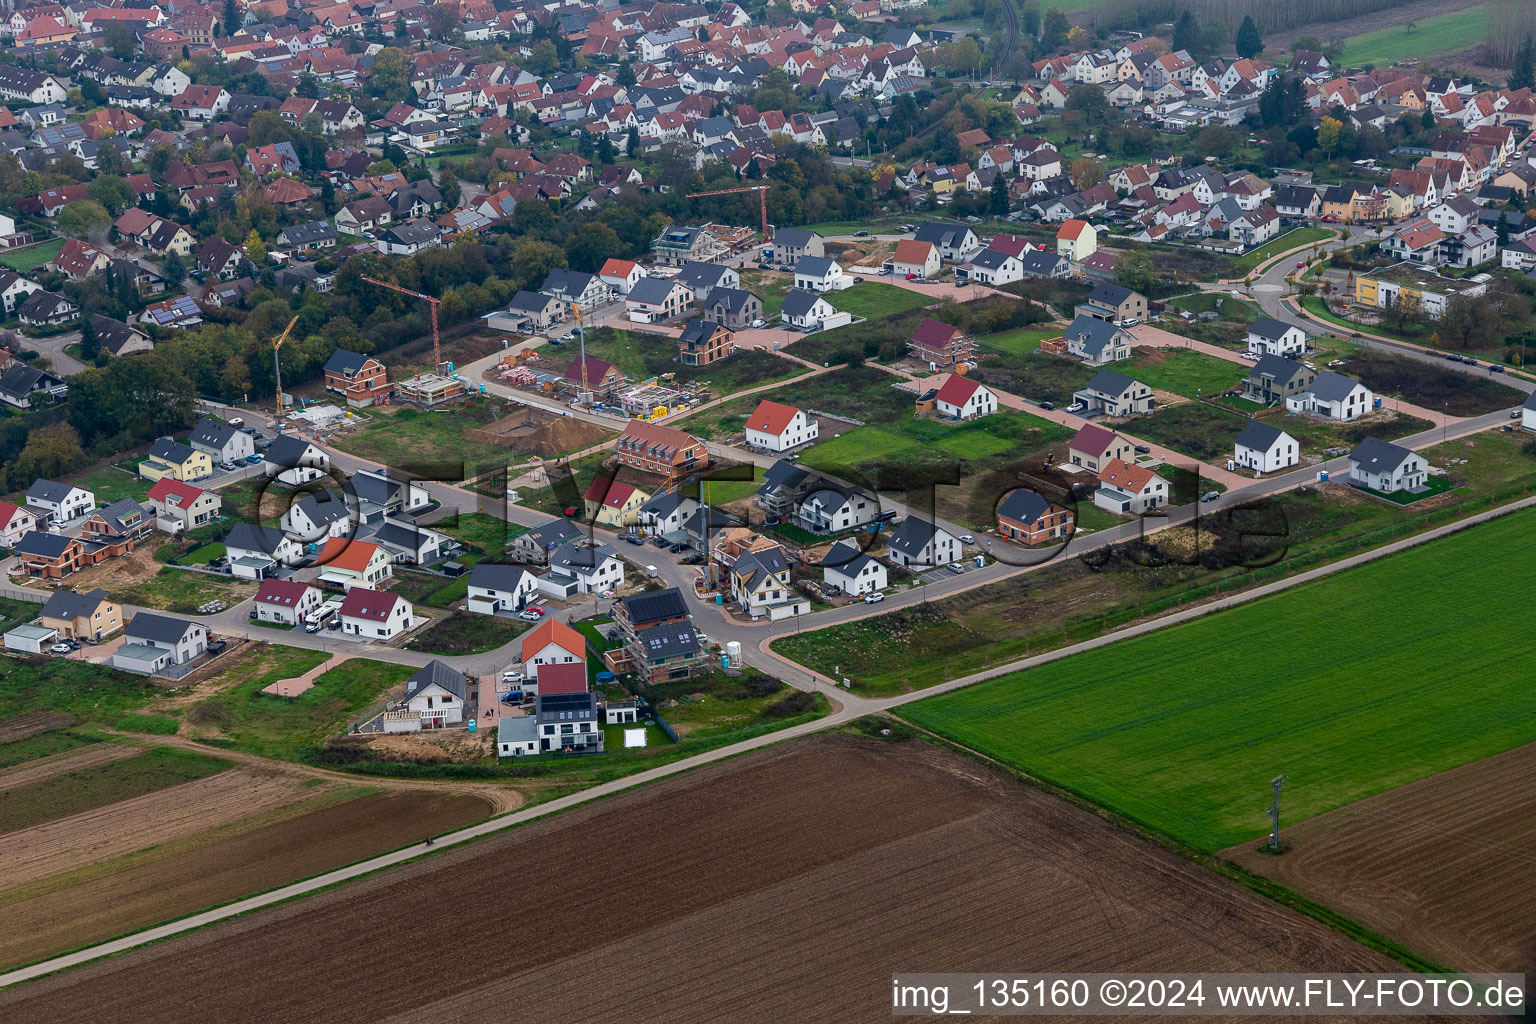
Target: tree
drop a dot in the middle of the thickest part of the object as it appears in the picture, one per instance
(998, 202)
(90, 345)
(625, 75)
(443, 21)
(592, 246)
(1248, 42)
(1328, 131)
(1134, 271)
(174, 270)
(255, 248)
(130, 401)
(1214, 35)
(1089, 101)
(81, 219)
(1186, 32)
(448, 185)
(118, 39)
(1085, 172)
(1524, 74)
(390, 78)
(632, 141)
(1213, 140)
(51, 450)
(234, 21)
(112, 192)
(544, 58)
(1053, 31)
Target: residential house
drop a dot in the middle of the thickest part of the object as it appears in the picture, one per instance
(1115, 304)
(22, 386)
(852, 571)
(702, 279)
(657, 299)
(1275, 379)
(362, 380)
(790, 245)
(551, 642)
(820, 274)
(732, 307)
(1264, 448)
(294, 461)
(582, 570)
(706, 341)
(168, 458)
(287, 602)
(568, 723)
(180, 507)
(779, 428)
(153, 643)
(346, 564)
(1126, 489)
(660, 643)
(318, 516)
(1334, 396)
(255, 551)
(1094, 447)
(915, 260)
(494, 587)
(953, 243)
(1026, 517)
(90, 616)
(1076, 240)
(47, 309)
(991, 267)
(613, 503)
(833, 509)
(434, 699)
(374, 614)
(221, 441)
(1267, 336)
(1114, 395)
(919, 544)
(15, 521)
(1381, 466)
(533, 546)
(759, 582)
(1095, 341)
(663, 451)
(59, 503)
(961, 398)
(940, 344)
(807, 310)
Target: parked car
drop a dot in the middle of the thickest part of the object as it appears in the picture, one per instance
(961, 282)
(572, 510)
(1470, 361)
(861, 234)
(249, 430)
(253, 460)
(966, 538)
(1209, 496)
(1514, 414)
(61, 648)
(956, 568)
(1076, 407)
(1331, 219)
(631, 538)
(874, 598)
(1047, 406)
(759, 323)
(531, 614)
(1143, 449)
(1495, 368)
(858, 280)
(911, 277)
(765, 266)
(1301, 264)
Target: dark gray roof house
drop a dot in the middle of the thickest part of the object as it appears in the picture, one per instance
(1373, 455)
(1109, 382)
(161, 629)
(1259, 436)
(70, 604)
(432, 672)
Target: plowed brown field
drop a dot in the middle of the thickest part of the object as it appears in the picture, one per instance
(66, 844)
(786, 885)
(132, 892)
(1442, 865)
(45, 768)
(32, 723)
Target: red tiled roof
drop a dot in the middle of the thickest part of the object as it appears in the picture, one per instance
(362, 603)
(282, 592)
(1093, 438)
(565, 677)
(958, 390)
(771, 417)
(553, 631)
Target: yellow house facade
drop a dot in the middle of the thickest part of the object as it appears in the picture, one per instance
(175, 461)
(615, 504)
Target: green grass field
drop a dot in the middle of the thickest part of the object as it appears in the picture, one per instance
(103, 784)
(286, 728)
(1341, 685)
(1290, 240)
(467, 633)
(914, 440)
(1185, 372)
(44, 744)
(412, 436)
(1018, 342)
(89, 692)
(875, 299)
(33, 256)
(1444, 33)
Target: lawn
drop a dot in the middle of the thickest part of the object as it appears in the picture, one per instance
(481, 533)
(1020, 342)
(289, 728)
(1216, 302)
(1034, 375)
(14, 613)
(1247, 262)
(22, 260)
(103, 784)
(430, 589)
(770, 286)
(90, 692)
(912, 441)
(1195, 429)
(642, 356)
(875, 299)
(467, 633)
(1185, 372)
(1443, 33)
(111, 484)
(181, 590)
(1340, 685)
(411, 438)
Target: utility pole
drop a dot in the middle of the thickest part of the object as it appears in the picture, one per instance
(1274, 812)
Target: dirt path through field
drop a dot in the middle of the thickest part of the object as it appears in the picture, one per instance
(59, 846)
(63, 763)
(32, 723)
(785, 885)
(501, 798)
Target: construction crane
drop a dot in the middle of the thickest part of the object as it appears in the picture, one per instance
(762, 200)
(277, 370)
(585, 398)
(437, 349)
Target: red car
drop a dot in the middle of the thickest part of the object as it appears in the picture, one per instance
(572, 510)
(1332, 218)
(1300, 264)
